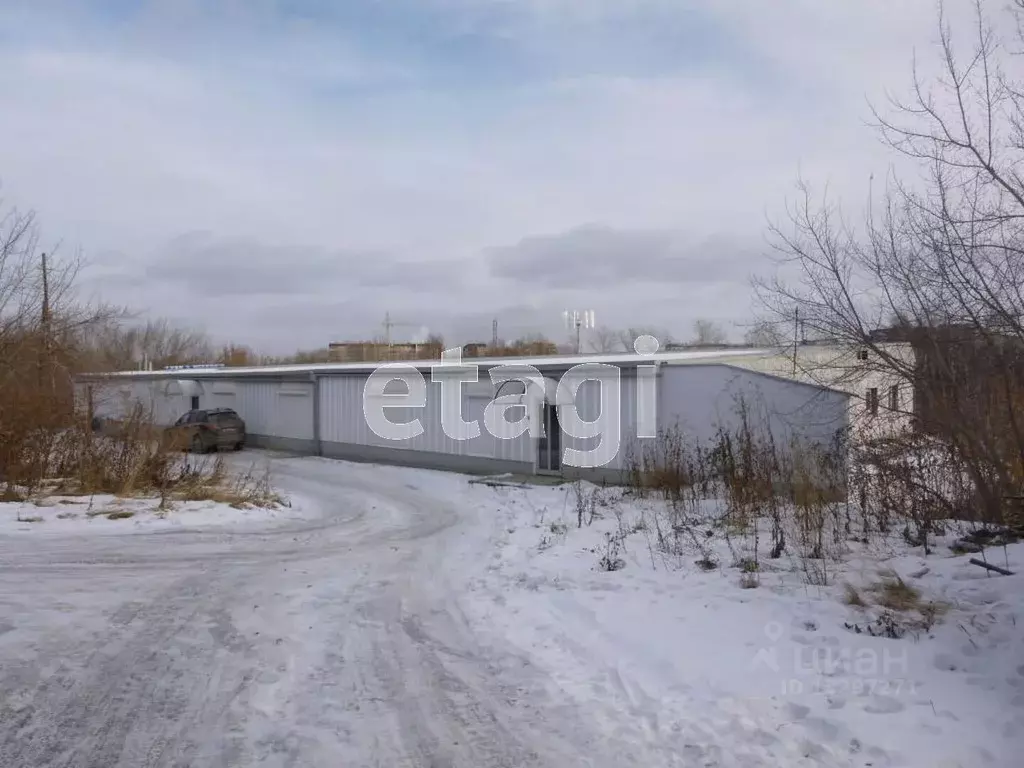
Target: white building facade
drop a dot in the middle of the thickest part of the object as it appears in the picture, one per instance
(878, 380)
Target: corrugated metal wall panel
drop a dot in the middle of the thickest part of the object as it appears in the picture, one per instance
(292, 412)
(269, 408)
(701, 399)
(116, 400)
(588, 405)
(254, 402)
(343, 421)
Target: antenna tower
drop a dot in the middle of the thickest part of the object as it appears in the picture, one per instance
(388, 325)
(576, 319)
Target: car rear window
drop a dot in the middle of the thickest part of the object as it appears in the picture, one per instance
(223, 417)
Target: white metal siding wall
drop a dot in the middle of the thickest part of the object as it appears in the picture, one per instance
(698, 399)
(220, 394)
(840, 368)
(255, 404)
(271, 408)
(342, 421)
(167, 409)
(293, 412)
(490, 446)
(275, 409)
(108, 400)
(115, 400)
(588, 406)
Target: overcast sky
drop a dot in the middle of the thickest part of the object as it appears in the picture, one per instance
(282, 173)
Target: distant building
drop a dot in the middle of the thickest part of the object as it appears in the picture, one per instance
(962, 375)
(883, 401)
(375, 351)
(475, 349)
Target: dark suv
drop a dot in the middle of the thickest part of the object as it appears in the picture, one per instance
(203, 430)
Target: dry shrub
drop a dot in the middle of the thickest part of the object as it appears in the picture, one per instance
(731, 485)
(902, 607)
(667, 467)
(129, 457)
(210, 481)
(586, 503)
(126, 459)
(913, 483)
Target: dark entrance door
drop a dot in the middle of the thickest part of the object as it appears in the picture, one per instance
(549, 446)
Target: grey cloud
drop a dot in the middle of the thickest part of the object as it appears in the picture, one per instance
(213, 267)
(595, 256)
(314, 322)
(278, 298)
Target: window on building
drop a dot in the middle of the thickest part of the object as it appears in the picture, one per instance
(862, 354)
(894, 398)
(872, 401)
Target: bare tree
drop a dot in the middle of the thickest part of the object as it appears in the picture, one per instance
(533, 344)
(302, 357)
(708, 332)
(631, 334)
(433, 347)
(42, 326)
(603, 340)
(943, 262)
(235, 355)
(764, 334)
(122, 345)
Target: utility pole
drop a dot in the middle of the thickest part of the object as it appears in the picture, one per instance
(494, 333)
(44, 326)
(388, 325)
(796, 336)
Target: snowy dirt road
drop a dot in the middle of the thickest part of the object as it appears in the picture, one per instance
(409, 619)
(337, 641)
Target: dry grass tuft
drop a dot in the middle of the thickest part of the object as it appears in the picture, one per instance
(213, 483)
(902, 608)
(10, 494)
(853, 597)
(894, 593)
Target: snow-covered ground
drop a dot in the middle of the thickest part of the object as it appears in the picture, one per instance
(105, 514)
(397, 617)
(773, 674)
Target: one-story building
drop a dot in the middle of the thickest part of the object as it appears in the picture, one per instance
(576, 416)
